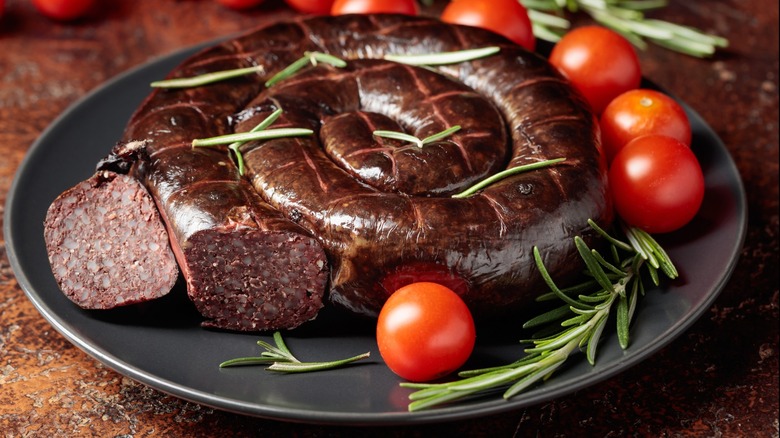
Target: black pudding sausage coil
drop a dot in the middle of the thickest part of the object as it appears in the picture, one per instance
(359, 214)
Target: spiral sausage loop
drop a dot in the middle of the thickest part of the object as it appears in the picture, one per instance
(382, 209)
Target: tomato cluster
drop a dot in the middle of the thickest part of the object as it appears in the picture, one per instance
(656, 181)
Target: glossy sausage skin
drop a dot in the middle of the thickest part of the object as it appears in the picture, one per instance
(363, 198)
(381, 209)
(246, 267)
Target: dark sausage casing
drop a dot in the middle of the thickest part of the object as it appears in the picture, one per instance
(381, 209)
(373, 213)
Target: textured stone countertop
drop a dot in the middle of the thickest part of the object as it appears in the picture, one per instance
(720, 378)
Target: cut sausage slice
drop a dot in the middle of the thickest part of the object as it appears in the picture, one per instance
(107, 244)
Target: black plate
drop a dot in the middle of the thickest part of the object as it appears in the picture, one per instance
(161, 344)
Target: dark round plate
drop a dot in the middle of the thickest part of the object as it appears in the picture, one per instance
(161, 344)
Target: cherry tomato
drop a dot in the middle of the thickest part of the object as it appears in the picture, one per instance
(319, 7)
(64, 10)
(600, 63)
(506, 17)
(642, 112)
(425, 331)
(407, 7)
(240, 4)
(656, 183)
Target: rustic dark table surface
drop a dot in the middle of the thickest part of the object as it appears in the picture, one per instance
(719, 379)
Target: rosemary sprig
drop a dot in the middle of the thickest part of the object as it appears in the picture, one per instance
(235, 147)
(208, 78)
(395, 135)
(614, 288)
(626, 17)
(282, 360)
(312, 58)
(444, 58)
(505, 174)
(259, 132)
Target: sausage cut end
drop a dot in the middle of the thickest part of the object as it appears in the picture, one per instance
(107, 244)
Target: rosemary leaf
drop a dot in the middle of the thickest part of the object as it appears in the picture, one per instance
(654, 275)
(568, 335)
(577, 320)
(280, 344)
(312, 58)
(619, 243)
(492, 379)
(551, 284)
(548, 317)
(569, 291)
(529, 380)
(441, 135)
(235, 147)
(593, 265)
(548, 20)
(595, 338)
(445, 397)
(633, 299)
(251, 136)
(609, 266)
(505, 174)
(595, 298)
(639, 247)
(308, 367)
(444, 58)
(206, 79)
(281, 354)
(400, 136)
(248, 361)
(529, 358)
(690, 33)
(622, 321)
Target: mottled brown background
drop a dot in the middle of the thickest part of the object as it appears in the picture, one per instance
(718, 379)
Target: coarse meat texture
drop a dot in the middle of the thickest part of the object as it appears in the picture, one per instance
(107, 245)
(382, 210)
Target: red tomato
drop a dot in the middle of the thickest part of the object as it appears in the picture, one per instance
(506, 17)
(425, 331)
(657, 183)
(407, 7)
(642, 112)
(240, 4)
(319, 7)
(64, 10)
(600, 63)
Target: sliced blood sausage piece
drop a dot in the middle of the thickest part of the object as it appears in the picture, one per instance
(246, 266)
(107, 245)
(252, 280)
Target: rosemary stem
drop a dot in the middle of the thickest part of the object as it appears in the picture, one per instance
(505, 174)
(208, 78)
(444, 58)
(251, 136)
